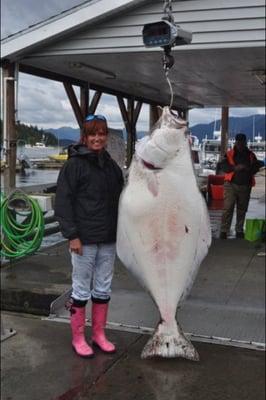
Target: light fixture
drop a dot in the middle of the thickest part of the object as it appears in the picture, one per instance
(260, 75)
(84, 66)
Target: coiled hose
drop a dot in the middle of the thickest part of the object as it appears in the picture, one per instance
(22, 225)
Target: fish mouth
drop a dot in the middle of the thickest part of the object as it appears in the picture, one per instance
(149, 165)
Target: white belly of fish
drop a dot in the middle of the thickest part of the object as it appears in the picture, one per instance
(163, 235)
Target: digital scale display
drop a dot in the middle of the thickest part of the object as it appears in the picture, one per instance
(163, 34)
(156, 34)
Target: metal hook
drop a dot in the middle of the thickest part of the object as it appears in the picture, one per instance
(168, 62)
(168, 10)
(168, 59)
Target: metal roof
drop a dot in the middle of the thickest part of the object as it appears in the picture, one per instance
(100, 42)
(67, 22)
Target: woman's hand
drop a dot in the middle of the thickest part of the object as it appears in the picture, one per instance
(75, 245)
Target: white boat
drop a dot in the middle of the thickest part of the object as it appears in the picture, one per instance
(258, 146)
(211, 149)
(201, 171)
(39, 145)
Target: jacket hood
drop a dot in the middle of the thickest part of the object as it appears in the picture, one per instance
(80, 150)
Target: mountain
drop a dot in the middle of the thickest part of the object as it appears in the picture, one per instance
(245, 125)
(67, 135)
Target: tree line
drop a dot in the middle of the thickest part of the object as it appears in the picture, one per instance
(30, 134)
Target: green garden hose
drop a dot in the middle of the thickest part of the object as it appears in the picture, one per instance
(22, 225)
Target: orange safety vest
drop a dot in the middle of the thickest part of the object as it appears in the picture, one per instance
(230, 157)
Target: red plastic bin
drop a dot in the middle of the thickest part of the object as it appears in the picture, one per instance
(214, 180)
(217, 192)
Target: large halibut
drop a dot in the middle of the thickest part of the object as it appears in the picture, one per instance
(163, 228)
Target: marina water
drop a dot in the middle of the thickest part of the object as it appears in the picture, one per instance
(35, 176)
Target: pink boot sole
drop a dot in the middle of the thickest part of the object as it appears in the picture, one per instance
(82, 355)
(102, 349)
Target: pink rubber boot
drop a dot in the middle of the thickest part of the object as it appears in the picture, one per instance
(99, 317)
(79, 343)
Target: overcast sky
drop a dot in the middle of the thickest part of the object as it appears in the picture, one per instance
(43, 102)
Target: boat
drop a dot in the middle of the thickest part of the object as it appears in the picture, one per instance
(211, 149)
(60, 157)
(201, 171)
(39, 145)
(258, 146)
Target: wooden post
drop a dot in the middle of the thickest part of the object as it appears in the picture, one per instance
(224, 131)
(130, 116)
(132, 130)
(84, 100)
(155, 113)
(74, 103)
(94, 102)
(9, 127)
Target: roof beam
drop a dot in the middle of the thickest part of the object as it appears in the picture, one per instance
(41, 73)
(53, 76)
(74, 103)
(95, 101)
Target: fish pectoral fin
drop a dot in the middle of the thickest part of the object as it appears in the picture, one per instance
(152, 184)
(169, 344)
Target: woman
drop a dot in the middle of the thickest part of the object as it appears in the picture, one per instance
(86, 206)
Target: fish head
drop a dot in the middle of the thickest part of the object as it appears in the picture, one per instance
(171, 120)
(167, 139)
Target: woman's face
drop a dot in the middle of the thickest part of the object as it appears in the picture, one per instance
(96, 140)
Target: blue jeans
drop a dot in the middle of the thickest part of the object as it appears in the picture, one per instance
(93, 271)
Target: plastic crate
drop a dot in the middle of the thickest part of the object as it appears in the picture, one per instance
(217, 192)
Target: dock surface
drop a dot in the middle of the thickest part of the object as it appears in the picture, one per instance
(224, 315)
(38, 364)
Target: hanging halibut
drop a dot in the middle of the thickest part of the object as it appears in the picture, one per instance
(164, 229)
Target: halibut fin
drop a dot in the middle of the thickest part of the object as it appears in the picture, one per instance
(169, 343)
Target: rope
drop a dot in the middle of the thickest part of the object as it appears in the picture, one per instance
(22, 225)
(171, 90)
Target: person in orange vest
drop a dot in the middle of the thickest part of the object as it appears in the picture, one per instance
(240, 165)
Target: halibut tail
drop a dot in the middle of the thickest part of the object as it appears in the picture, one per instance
(169, 342)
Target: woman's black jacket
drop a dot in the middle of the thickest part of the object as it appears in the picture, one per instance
(88, 190)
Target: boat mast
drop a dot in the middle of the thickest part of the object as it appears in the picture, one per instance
(253, 131)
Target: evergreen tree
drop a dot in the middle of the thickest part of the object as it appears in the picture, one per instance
(31, 135)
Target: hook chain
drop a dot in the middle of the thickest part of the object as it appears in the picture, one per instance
(168, 59)
(168, 10)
